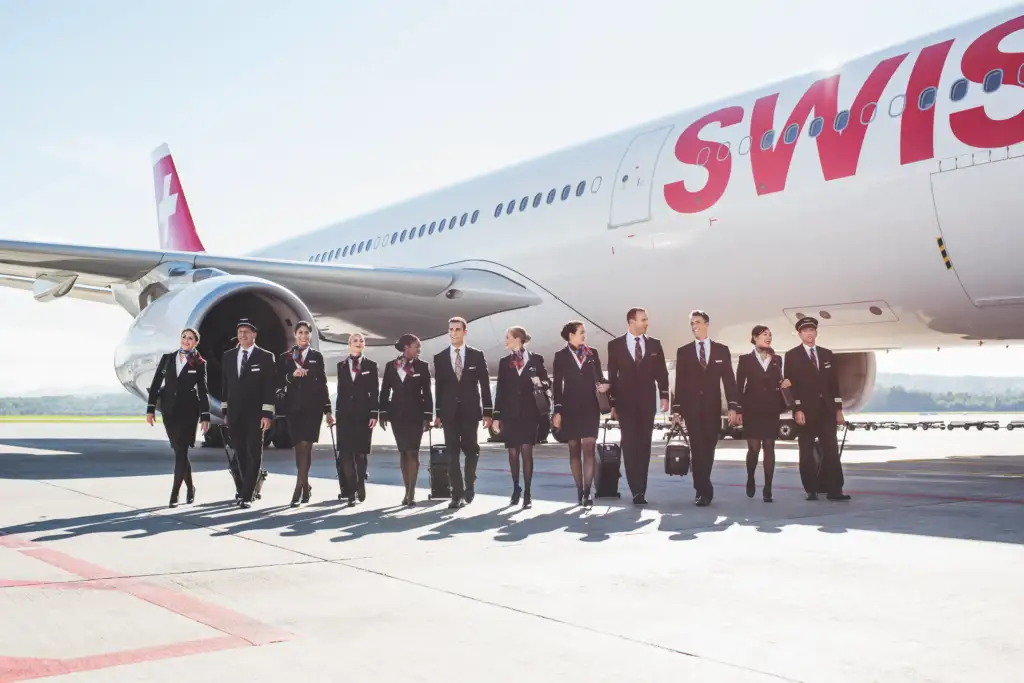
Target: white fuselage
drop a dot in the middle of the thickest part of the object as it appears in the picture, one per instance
(858, 251)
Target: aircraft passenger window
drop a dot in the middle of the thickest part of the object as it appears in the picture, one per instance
(791, 133)
(352, 251)
(394, 237)
(1020, 75)
(993, 79)
(537, 199)
(767, 139)
(311, 258)
(361, 247)
(703, 155)
(497, 210)
(902, 99)
(523, 203)
(842, 120)
(511, 206)
(959, 89)
(432, 226)
(727, 146)
(565, 192)
(926, 100)
(580, 188)
(402, 237)
(412, 233)
(872, 109)
(451, 223)
(551, 196)
(440, 228)
(595, 185)
(462, 221)
(376, 243)
(740, 146)
(423, 229)
(344, 253)
(476, 214)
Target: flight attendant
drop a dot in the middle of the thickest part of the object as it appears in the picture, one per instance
(578, 381)
(516, 413)
(306, 402)
(759, 381)
(180, 386)
(356, 415)
(406, 402)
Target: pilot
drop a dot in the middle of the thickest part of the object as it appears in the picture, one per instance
(406, 402)
(357, 414)
(306, 402)
(817, 409)
(179, 385)
(250, 387)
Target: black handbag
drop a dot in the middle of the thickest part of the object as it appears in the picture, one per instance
(603, 402)
(677, 456)
(540, 396)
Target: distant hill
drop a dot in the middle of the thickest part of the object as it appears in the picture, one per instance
(121, 403)
(939, 384)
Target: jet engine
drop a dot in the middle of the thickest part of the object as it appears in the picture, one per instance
(213, 306)
(856, 373)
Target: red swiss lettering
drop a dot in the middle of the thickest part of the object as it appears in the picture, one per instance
(973, 126)
(689, 149)
(838, 152)
(917, 127)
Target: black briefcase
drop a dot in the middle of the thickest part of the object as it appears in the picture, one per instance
(437, 472)
(607, 471)
(677, 455)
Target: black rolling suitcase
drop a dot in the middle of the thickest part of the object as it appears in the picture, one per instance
(236, 472)
(677, 456)
(437, 471)
(818, 456)
(607, 472)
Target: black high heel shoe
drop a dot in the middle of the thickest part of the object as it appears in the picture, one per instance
(527, 503)
(174, 501)
(587, 502)
(307, 493)
(190, 496)
(516, 492)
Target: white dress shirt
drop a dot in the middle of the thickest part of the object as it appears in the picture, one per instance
(807, 349)
(707, 349)
(631, 345)
(462, 352)
(179, 362)
(240, 349)
(763, 361)
(572, 352)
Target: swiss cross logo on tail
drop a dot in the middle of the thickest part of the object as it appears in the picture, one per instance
(177, 231)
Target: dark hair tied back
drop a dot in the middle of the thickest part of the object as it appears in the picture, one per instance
(301, 324)
(756, 332)
(405, 340)
(570, 328)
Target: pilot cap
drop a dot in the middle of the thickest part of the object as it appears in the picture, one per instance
(806, 321)
(244, 322)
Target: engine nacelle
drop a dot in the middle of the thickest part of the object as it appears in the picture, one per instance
(213, 306)
(856, 378)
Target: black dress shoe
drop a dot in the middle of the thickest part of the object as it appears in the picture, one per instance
(702, 502)
(245, 505)
(174, 501)
(837, 496)
(456, 504)
(190, 496)
(405, 501)
(470, 495)
(812, 496)
(639, 499)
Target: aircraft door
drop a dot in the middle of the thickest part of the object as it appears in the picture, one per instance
(980, 209)
(631, 196)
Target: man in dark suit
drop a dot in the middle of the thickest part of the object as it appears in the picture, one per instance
(249, 382)
(818, 408)
(638, 376)
(702, 367)
(461, 384)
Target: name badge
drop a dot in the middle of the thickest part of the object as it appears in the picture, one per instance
(312, 362)
(471, 367)
(255, 369)
(828, 365)
(416, 374)
(191, 372)
(718, 361)
(365, 372)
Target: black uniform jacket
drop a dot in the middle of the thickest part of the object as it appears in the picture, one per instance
(813, 389)
(184, 394)
(358, 399)
(307, 393)
(698, 390)
(470, 391)
(513, 395)
(575, 383)
(253, 392)
(409, 400)
(636, 389)
(759, 388)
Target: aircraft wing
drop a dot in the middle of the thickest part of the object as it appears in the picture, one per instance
(384, 302)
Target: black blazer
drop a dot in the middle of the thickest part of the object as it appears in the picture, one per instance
(253, 393)
(309, 393)
(358, 400)
(575, 387)
(469, 392)
(181, 396)
(637, 389)
(407, 401)
(698, 390)
(758, 388)
(814, 391)
(513, 395)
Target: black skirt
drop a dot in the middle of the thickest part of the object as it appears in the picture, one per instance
(761, 426)
(181, 432)
(304, 425)
(580, 421)
(408, 435)
(354, 436)
(520, 431)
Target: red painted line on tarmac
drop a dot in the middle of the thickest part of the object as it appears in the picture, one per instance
(27, 668)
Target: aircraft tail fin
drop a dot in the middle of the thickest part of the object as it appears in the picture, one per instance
(177, 231)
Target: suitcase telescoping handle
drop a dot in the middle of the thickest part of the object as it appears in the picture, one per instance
(677, 430)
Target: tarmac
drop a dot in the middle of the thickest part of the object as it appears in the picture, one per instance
(917, 578)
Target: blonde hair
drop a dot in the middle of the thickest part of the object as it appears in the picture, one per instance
(519, 333)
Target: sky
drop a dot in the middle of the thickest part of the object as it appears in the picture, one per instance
(283, 120)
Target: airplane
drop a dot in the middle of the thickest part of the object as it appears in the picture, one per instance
(882, 198)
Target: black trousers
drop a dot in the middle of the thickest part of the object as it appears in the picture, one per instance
(820, 427)
(702, 431)
(181, 433)
(460, 435)
(247, 439)
(637, 430)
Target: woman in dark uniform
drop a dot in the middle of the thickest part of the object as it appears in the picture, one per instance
(578, 380)
(759, 380)
(356, 416)
(406, 402)
(516, 415)
(306, 402)
(180, 386)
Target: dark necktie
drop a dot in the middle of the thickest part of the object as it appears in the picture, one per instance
(703, 358)
(458, 364)
(814, 358)
(638, 354)
(245, 360)
(355, 366)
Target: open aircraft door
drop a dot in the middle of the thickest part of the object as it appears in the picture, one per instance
(631, 196)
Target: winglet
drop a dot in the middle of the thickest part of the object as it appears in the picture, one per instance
(177, 231)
